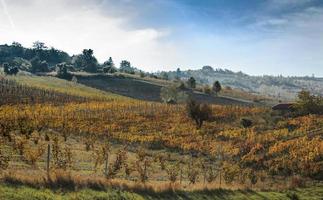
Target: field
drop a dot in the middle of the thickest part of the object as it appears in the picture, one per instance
(9, 192)
(104, 141)
(148, 89)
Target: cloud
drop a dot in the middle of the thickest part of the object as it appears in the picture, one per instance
(271, 37)
(6, 12)
(75, 25)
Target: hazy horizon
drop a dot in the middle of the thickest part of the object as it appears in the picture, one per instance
(268, 37)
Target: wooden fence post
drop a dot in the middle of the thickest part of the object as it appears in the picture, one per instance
(181, 176)
(106, 169)
(48, 161)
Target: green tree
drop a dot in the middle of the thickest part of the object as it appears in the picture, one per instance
(125, 67)
(8, 70)
(39, 45)
(86, 61)
(308, 103)
(38, 66)
(62, 71)
(191, 82)
(216, 87)
(178, 74)
(109, 67)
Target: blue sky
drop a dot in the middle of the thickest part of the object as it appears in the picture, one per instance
(254, 36)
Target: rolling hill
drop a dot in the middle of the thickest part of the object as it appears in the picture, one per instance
(285, 88)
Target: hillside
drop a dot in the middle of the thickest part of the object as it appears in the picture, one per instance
(41, 59)
(107, 135)
(147, 89)
(280, 87)
(56, 85)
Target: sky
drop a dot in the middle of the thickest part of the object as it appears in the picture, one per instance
(274, 37)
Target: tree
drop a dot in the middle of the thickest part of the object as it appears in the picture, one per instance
(14, 71)
(6, 69)
(178, 74)
(125, 67)
(109, 70)
(17, 50)
(164, 75)
(38, 66)
(198, 112)
(109, 67)
(207, 68)
(86, 61)
(191, 82)
(216, 87)
(308, 103)
(109, 63)
(39, 45)
(62, 71)
(10, 70)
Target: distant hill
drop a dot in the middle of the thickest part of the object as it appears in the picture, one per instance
(285, 88)
(41, 60)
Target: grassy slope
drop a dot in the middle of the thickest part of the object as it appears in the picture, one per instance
(145, 88)
(63, 86)
(26, 193)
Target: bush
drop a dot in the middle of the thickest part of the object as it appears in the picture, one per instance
(62, 72)
(198, 112)
(308, 104)
(8, 70)
(292, 196)
(172, 94)
(207, 89)
(246, 122)
(109, 70)
(191, 82)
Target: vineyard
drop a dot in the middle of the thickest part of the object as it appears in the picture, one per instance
(152, 143)
(14, 93)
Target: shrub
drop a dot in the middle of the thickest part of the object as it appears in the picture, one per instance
(4, 160)
(292, 196)
(191, 82)
(207, 89)
(172, 172)
(8, 70)
(142, 169)
(198, 112)
(193, 175)
(216, 87)
(62, 157)
(62, 72)
(121, 158)
(172, 94)
(109, 70)
(308, 104)
(246, 122)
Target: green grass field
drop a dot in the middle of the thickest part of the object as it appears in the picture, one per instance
(8, 192)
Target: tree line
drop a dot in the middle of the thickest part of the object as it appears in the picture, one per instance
(42, 59)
